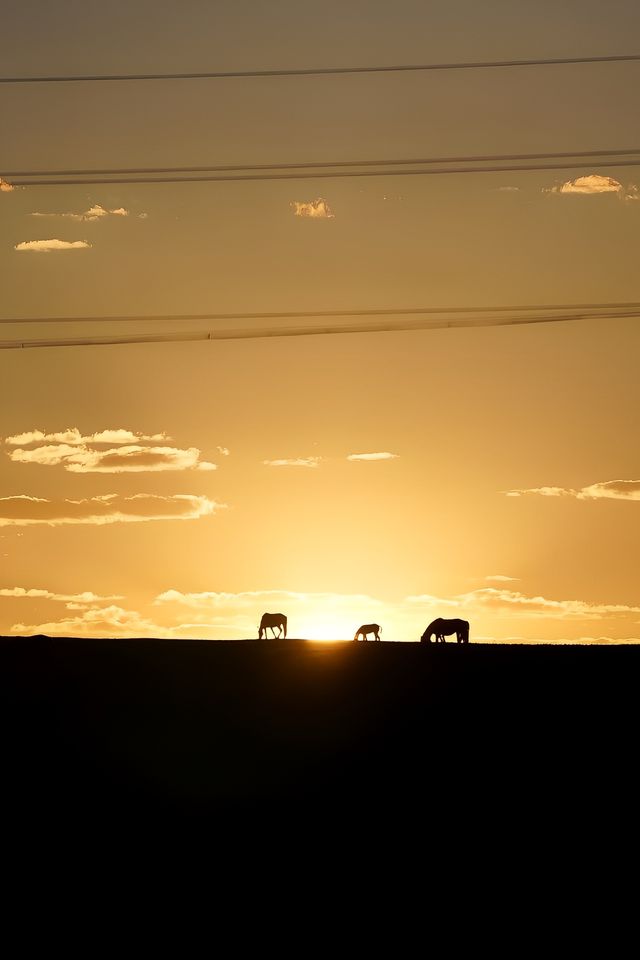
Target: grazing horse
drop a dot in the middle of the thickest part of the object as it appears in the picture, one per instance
(366, 628)
(271, 621)
(444, 628)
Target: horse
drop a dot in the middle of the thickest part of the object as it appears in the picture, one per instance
(366, 628)
(270, 621)
(445, 628)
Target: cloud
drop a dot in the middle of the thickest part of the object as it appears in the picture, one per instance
(373, 456)
(223, 451)
(24, 510)
(594, 183)
(75, 600)
(607, 490)
(316, 209)
(508, 189)
(297, 462)
(71, 449)
(73, 436)
(46, 246)
(96, 622)
(590, 184)
(510, 603)
(6, 187)
(125, 459)
(499, 578)
(96, 212)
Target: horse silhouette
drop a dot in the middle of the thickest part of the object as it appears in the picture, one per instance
(271, 621)
(445, 628)
(366, 628)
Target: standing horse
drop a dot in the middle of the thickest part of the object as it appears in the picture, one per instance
(271, 621)
(445, 628)
(366, 628)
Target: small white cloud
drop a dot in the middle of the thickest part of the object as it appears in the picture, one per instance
(6, 187)
(499, 578)
(384, 455)
(205, 465)
(223, 451)
(296, 462)
(508, 189)
(143, 216)
(316, 209)
(46, 246)
(590, 184)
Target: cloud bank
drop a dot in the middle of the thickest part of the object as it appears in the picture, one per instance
(607, 490)
(6, 187)
(125, 459)
(83, 454)
(511, 603)
(25, 511)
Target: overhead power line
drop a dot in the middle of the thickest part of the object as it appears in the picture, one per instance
(322, 174)
(324, 164)
(322, 71)
(380, 326)
(621, 308)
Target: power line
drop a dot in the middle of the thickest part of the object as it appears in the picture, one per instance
(621, 308)
(323, 71)
(306, 330)
(334, 175)
(306, 165)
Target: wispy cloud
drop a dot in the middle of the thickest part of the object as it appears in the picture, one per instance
(73, 436)
(6, 187)
(223, 451)
(508, 189)
(384, 455)
(295, 462)
(72, 600)
(608, 490)
(316, 209)
(499, 578)
(125, 459)
(47, 246)
(96, 212)
(511, 603)
(25, 511)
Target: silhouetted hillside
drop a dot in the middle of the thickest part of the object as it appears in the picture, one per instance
(196, 726)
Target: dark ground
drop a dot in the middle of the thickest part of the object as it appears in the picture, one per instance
(195, 727)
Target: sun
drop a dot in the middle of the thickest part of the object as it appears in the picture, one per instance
(326, 626)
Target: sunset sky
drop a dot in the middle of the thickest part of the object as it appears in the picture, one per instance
(182, 489)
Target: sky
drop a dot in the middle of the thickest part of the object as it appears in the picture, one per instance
(182, 489)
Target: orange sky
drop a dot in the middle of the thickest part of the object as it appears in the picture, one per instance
(183, 489)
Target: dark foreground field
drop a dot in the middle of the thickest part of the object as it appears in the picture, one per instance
(196, 726)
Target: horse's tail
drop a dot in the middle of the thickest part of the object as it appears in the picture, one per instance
(284, 624)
